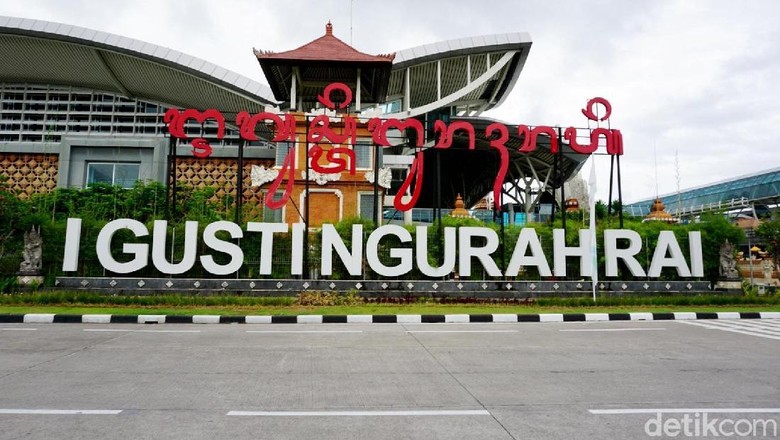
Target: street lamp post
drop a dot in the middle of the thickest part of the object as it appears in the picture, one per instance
(750, 255)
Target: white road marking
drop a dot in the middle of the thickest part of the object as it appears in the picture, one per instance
(736, 327)
(765, 322)
(138, 331)
(67, 412)
(623, 411)
(304, 331)
(462, 331)
(480, 412)
(638, 329)
(752, 326)
(16, 329)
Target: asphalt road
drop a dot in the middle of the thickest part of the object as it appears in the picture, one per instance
(595, 380)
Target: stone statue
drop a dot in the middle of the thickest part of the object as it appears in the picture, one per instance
(728, 265)
(33, 248)
(767, 267)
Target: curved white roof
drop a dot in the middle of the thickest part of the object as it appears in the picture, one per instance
(472, 74)
(42, 52)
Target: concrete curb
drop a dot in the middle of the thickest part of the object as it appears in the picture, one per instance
(48, 318)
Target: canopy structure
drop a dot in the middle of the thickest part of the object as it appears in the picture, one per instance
(472, 173)
(466, 76)
(41, 52)
(762, 188)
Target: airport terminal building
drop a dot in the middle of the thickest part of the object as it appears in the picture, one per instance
(80, 106)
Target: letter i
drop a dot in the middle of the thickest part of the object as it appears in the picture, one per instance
(70, 260)
(296, 260)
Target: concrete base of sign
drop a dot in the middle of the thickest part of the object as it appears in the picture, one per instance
(29, 280)
(729, 285)
(509, 289)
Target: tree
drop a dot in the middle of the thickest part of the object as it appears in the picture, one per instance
(770, 231)
(601, 209)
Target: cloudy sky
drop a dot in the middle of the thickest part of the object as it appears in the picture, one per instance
(693, 83)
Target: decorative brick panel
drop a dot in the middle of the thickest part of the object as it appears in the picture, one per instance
(220, 174)
(29, 174)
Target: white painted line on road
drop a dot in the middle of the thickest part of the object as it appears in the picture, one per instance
(743, 326)
(462, 331)
(730, 329)
(38, 318)
(765, 323)
(304, 331)
(15, 329)
(67, 412)
(138, 331)
(638, 329)
(624, 411)
(758, 326)
(165, 331)
(480, 412)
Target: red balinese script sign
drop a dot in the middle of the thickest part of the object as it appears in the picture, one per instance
(340, 159)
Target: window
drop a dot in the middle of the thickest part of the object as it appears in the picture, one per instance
(281, 152)
(119, 174)
(363, 156)
(274, 215)
(366, 205)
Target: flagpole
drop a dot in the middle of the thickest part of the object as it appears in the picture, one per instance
(592, 225)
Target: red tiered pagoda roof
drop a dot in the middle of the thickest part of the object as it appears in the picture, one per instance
(322, 61)
(325, 48)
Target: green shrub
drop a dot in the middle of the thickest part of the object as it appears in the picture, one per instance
(317, 298)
